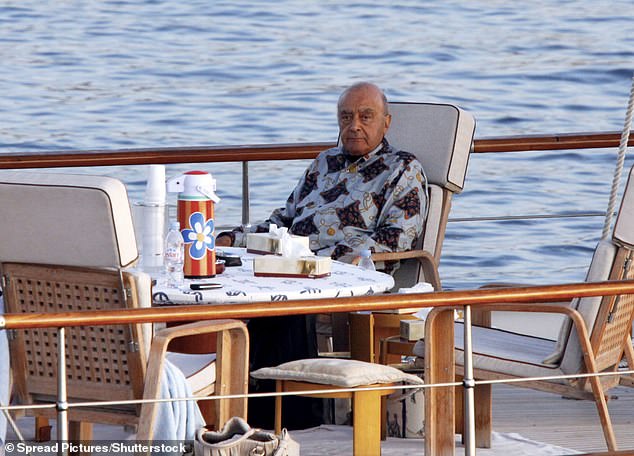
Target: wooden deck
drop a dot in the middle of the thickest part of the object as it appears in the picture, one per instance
(568, 423)
(534, 415)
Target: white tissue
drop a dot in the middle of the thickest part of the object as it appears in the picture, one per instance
(288, 246)
(420, 287)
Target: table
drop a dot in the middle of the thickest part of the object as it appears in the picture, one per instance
(239, 285)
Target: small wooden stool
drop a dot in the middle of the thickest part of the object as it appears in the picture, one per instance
(308, 375)
(366, 411)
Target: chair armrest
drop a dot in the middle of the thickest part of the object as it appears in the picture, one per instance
(233, 344)
(427, 262)
(482, 317)
(166, 335)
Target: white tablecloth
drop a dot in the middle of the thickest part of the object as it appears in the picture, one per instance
(239, 285)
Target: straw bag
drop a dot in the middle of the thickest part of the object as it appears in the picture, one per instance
(237, 438)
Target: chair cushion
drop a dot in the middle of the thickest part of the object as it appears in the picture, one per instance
(623, 233)
(502, 351)
(200, 370)
(346, 373)
(440, 135)
(432, 223)
(600, 268)
(65, 219)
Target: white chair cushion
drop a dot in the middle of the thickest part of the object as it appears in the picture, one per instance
(600, 267)
(39, 214)
(440, 135)
(624, 226)
(502, 351)
(432, 223)
(346, 373)
(200, 370)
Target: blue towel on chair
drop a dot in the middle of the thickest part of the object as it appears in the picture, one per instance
(177, 420)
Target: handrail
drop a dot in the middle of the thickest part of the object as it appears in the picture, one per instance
(466, 298)
(527, 294)
(296, 151)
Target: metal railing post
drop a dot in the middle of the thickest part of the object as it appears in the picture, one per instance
(246, 201)
(62, 395)
(468, 384)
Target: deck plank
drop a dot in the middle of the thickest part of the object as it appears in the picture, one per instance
(564, 422)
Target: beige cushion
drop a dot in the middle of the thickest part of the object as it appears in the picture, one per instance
(440, 135)
(432, 223)
(502, 351)
(199, 369)
(346, 373)
(65, 219)
(624, 226)
(600, 267)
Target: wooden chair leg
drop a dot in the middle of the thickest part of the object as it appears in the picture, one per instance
(80, 431)
(483, 405)
(604, 415)
(42, 429)
(366, 425)
(383, 417)
(459, 409)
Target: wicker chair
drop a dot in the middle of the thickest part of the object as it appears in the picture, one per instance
(66, 241)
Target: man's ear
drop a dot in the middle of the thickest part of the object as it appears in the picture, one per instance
(388, 121)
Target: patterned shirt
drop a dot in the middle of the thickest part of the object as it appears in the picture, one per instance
(346, 204)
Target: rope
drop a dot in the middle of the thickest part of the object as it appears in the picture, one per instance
(625, 134)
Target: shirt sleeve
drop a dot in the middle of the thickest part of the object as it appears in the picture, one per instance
(281, 217)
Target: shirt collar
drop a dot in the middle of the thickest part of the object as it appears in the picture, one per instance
(354, 158)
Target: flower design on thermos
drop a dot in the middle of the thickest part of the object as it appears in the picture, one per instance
(199, 235)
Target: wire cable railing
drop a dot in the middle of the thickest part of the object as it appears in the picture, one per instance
(447, 299)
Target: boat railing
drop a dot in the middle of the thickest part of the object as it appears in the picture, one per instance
(275, 152)
(298, 151)
(465, 299)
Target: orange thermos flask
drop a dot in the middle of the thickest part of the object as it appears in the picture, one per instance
(195, 212)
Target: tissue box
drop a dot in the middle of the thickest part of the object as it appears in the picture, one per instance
(277, 266)
(265, 243)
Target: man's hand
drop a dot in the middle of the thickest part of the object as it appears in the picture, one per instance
(223, 240)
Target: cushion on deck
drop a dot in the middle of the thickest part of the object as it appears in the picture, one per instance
(346, 373)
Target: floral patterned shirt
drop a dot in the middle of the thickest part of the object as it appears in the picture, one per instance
(347, 204)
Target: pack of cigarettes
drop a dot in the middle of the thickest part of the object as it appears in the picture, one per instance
(278, 266)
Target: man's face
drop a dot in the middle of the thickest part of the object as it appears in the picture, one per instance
(362, 120)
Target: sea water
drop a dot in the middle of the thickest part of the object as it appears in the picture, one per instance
(144, 73)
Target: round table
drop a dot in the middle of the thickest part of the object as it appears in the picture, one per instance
(239, 285)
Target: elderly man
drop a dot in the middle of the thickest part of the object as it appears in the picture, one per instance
(361, 195)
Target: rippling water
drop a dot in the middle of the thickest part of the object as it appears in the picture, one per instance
(115, 74)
